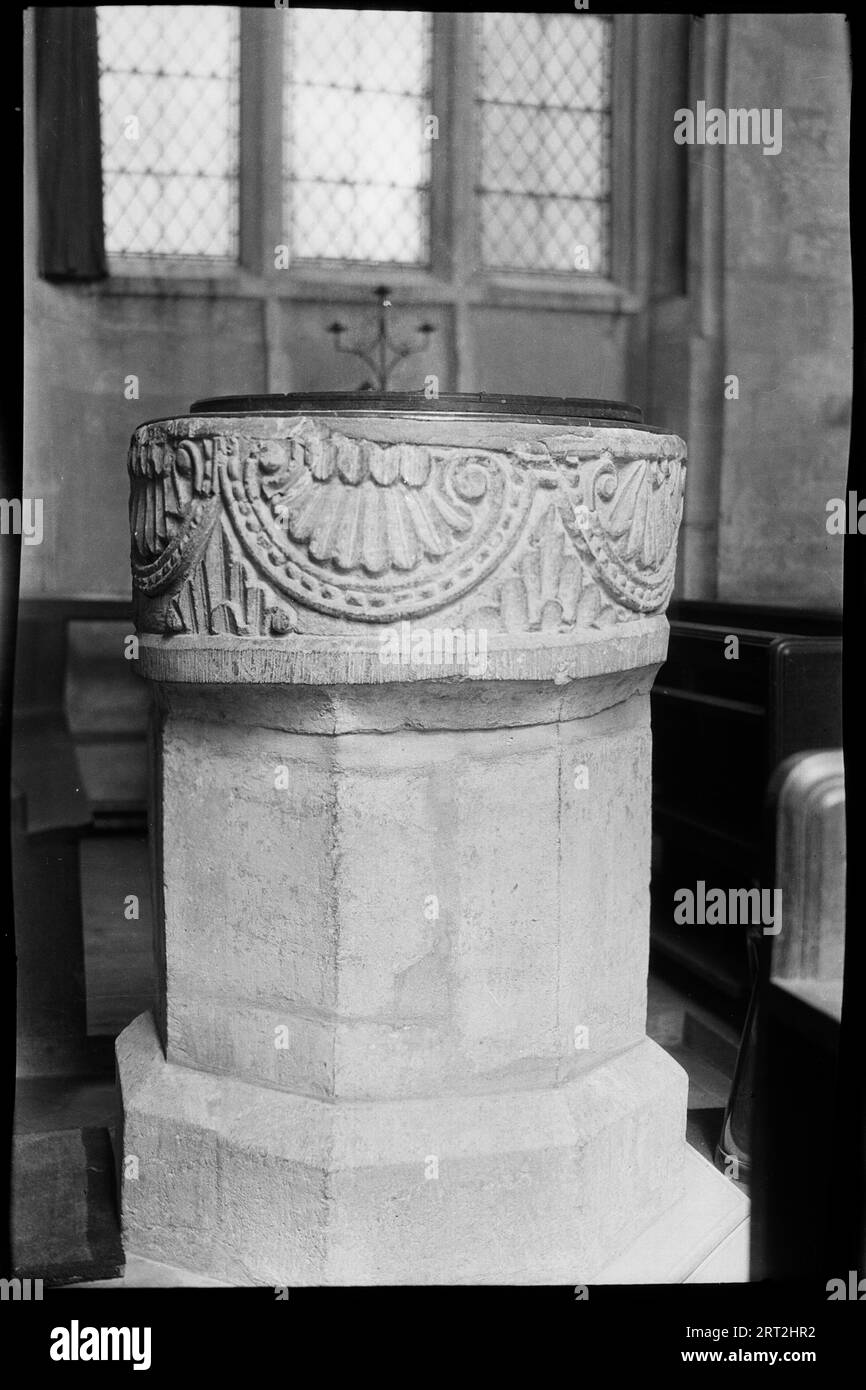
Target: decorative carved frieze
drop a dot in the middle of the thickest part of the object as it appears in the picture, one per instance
(258, 529)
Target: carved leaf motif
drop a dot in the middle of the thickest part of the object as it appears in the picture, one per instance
(627, 520)
(220, 596)
(243, 533)
(641, 512)
(550, 590)
(172, 507)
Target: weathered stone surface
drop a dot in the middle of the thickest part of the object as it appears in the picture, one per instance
(430, 909)
(526, 1185)
(278, 525)
(402, 892)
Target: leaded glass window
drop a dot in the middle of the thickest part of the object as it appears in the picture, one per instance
(356, 94)
(544, 129)
(169, 96)
(350, 173)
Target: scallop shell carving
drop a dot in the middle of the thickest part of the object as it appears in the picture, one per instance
(240, 533)
(378, 530)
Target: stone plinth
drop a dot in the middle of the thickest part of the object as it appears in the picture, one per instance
(401, 820)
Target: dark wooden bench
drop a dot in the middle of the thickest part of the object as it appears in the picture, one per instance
(720, 728)
(78, 774)
(71, 678)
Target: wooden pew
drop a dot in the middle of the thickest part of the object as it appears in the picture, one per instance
(78, 846)
(720, 728)
(79, 771)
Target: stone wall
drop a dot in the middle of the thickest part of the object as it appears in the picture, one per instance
(787, 317)
(768, 299)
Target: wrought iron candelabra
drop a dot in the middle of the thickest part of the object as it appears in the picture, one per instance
(381, 354)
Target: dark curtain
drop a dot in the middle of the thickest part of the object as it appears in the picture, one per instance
(72, 245)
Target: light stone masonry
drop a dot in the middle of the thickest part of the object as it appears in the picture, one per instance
(402, 909)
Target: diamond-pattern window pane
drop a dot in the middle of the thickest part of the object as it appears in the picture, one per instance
(356, 96)
(544, 117)
(169, 100)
